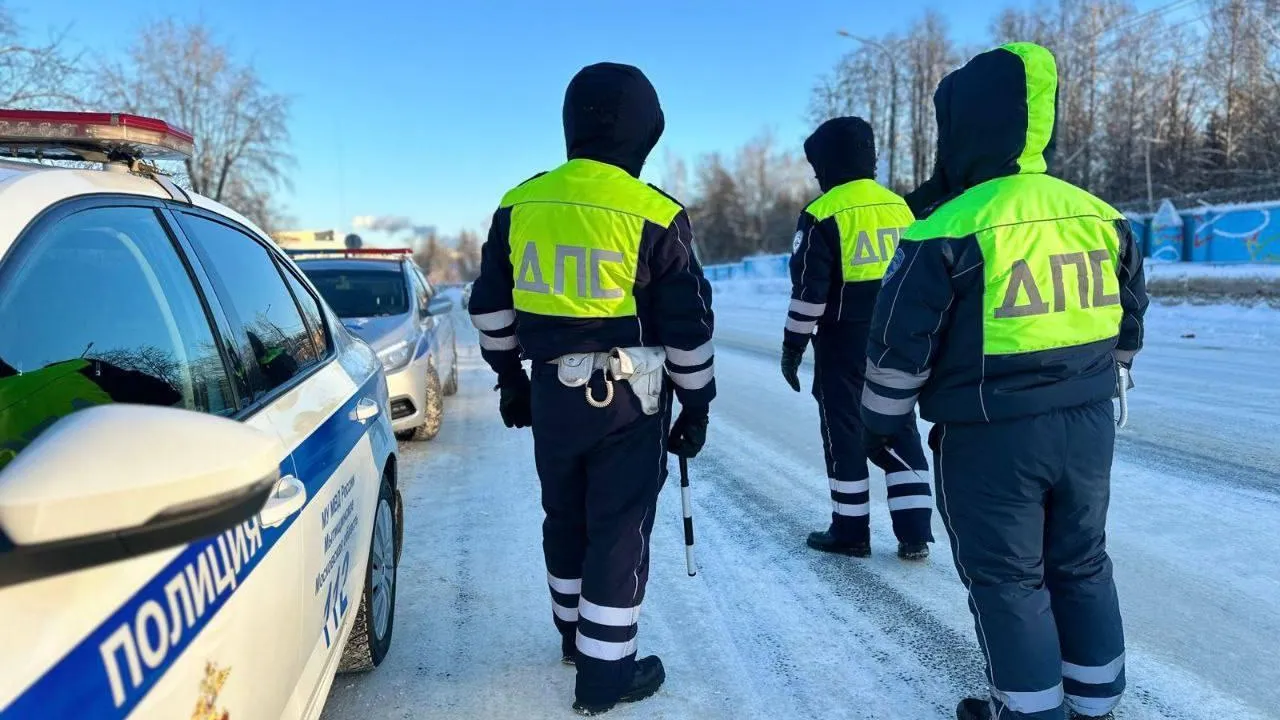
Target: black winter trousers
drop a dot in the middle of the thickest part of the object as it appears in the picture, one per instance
(840, 363)
(1025, 502)
(601, 470)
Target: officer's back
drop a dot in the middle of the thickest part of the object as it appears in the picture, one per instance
(1009, 312)
(590, 274)
(1036, 276)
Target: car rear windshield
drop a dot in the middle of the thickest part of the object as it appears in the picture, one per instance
(362, 293)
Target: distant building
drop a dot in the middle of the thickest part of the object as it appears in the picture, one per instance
(308, 239)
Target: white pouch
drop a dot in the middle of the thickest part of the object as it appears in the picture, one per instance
(643, 367)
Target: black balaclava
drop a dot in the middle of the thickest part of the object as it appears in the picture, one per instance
(842, 150)
(612, 115)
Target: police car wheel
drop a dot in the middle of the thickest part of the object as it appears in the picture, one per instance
(433, 407)
(370, 638)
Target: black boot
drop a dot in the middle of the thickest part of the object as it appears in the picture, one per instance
(1077, 716)
(648, 678)
(568, 649)
(973, 709)
(913, 551)
(826, 542)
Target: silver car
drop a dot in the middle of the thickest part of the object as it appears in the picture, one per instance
(384, 299)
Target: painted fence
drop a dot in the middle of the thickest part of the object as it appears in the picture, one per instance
(1211, 234)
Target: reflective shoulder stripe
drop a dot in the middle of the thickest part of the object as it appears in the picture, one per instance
(896, 379)
(884, 405)
(498, 344)
(499, 320)
(809, 309)
(696, 356)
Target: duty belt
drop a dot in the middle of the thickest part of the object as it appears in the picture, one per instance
(640, 366)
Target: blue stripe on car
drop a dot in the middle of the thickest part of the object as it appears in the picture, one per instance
(146, 635)
(426, 341)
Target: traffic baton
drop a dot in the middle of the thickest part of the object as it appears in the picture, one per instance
(690, 563)
(1123, 384)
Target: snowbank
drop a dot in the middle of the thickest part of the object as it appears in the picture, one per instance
(1205, 282)
(1200, 283)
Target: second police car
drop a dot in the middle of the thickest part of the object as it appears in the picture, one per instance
(199, 515)
(384, 299)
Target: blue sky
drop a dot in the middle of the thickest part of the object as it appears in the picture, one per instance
(433, 109)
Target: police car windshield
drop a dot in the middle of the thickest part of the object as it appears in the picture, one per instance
(362, 293)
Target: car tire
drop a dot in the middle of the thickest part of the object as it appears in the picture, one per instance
(370, 637)
(433, 409)
(451, 383)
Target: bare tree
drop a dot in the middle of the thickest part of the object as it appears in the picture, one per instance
(183, 74)
(35, 75)
(748, 205)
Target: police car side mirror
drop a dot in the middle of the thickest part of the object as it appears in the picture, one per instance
(439, 305)
(116, 481)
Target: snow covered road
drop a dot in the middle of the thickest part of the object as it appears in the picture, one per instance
(770, 629)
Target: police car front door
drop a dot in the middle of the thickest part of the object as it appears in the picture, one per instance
(99, 299)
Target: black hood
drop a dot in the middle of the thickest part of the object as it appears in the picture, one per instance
(612, 115)
(996, 116)
(842, 150)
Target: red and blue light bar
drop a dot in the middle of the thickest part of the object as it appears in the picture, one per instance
(349, 253)
(53, 135)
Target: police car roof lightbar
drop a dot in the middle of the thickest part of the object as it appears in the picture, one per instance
(350, 252)
(96, 137)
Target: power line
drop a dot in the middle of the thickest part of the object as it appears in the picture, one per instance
(1137, 20)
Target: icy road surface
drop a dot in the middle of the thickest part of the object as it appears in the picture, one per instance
(770, 629)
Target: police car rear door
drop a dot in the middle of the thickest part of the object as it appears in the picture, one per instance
(323, 405)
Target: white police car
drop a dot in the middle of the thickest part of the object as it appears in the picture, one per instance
(198, 505)
(384, 299)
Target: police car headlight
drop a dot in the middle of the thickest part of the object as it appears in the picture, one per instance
(396, 356)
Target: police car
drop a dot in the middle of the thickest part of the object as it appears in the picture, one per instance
(198, 505)
(384, 299)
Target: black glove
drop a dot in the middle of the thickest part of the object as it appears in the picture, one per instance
(514, 401)
(689, 431)
(791, 366)
(877, 447)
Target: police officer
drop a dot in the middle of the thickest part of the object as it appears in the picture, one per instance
(591, 275)
(843, 244)
(1010, 312)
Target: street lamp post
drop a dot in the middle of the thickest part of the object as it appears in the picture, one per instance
(893, 97)
(1151, 197)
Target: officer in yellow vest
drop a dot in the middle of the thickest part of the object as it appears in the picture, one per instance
(590, 274)
(1011, 313)
(843, 244)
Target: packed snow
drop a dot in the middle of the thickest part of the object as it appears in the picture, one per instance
(770, 629)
